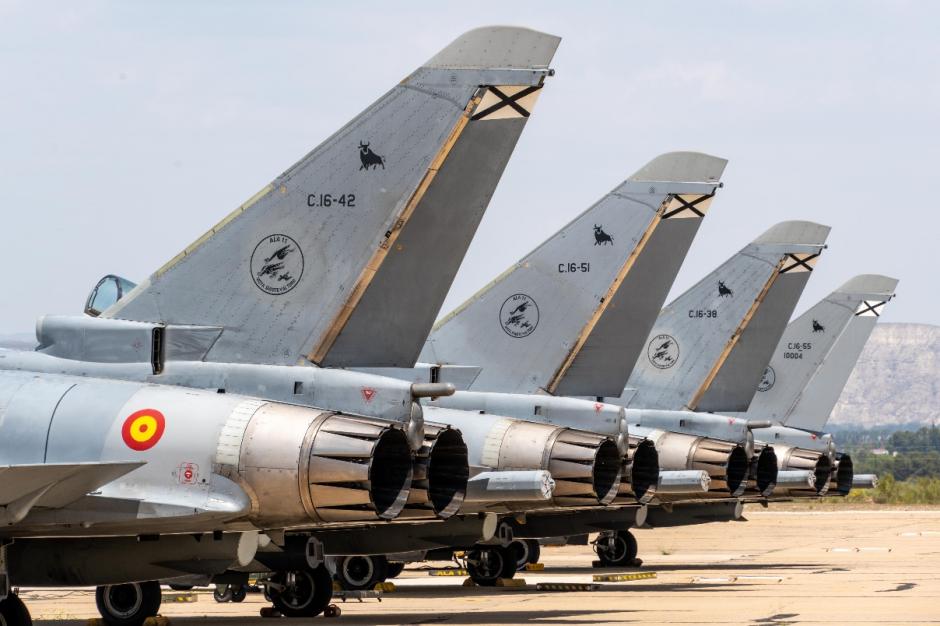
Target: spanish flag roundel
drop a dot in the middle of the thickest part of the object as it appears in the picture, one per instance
(143, 429)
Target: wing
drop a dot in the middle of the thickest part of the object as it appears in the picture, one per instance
(52, 485)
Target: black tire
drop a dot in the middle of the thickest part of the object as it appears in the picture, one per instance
(302, 593)
(395, 570)
(222, 593)
(240, 593)
(356, 573)
(524, 551)
(487, 564)
(128, 604)
(13, 612)
(617, 550)
(182, 587)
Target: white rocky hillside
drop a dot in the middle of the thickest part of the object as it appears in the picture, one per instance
(896, 380)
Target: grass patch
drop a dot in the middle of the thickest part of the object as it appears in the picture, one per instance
(890, 491)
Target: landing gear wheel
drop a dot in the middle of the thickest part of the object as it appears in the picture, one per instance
(395, 570)
(487, 564)
(617, 549)
(240, 593)
(361, 572)
(128, 604)
(524, 551)
(13, 612)
(222, 593)
(301, 593)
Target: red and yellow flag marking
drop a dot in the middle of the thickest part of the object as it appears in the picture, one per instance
(143, 429)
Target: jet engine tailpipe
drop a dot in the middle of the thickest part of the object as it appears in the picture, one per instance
(441, 470)
(726, 462)
(348, 468)
(763, 472)
(793, 458)
(843, 473)
(640, 472)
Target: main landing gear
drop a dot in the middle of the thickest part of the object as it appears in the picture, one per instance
(13, 612)
(616, 548)
(524, 552)
(128, 604)
(362, 572)
(486, 564)
(301, 593)
(230, 593)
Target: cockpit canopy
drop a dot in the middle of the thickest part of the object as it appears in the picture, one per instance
(109, 290)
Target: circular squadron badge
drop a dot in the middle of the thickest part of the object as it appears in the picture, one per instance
(277, 264)
(768, 379)
(663, 351)
(519, 315)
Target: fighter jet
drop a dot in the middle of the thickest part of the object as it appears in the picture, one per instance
(111, 481)
(762, 274)
(810, 368)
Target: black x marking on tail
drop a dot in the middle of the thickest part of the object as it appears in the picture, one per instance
(798, 262)
(688, 205)
(510, 101)
(873, 308)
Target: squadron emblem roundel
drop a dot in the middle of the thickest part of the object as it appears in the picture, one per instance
(519, 315)
(277, 264)
(663, 351)
(767, 380)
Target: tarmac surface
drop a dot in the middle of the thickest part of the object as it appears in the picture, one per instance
(780, 567)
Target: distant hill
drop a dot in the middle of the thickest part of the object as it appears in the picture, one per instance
(896, 380)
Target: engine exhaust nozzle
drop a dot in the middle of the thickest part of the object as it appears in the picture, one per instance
(441, 472)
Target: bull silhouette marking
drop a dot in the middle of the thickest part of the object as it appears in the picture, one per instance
(600, 237)
(370, 160)
(723, 291)
(818, 328)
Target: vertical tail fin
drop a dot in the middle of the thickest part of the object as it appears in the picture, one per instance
(559, 319)
(817, 353)
(319, 263)
(715, 339)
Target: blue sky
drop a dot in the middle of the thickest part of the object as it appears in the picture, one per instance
(127, 129)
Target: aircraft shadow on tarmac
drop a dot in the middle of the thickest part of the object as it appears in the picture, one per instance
(497, 616)
(678, 567)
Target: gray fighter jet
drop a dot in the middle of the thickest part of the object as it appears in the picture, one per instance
(771, 270)
(118, 471)
(810, 368)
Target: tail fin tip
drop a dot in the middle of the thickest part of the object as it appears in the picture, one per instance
(870, 284)
(683, 167)
(795, 232)
(498, 47)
